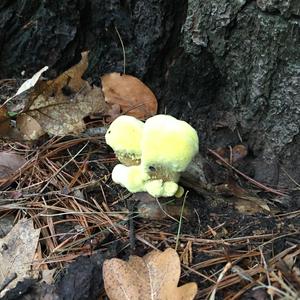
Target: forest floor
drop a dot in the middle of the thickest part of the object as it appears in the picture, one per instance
(233, 249)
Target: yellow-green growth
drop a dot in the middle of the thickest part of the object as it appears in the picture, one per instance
(124, 136)
(180, 192)
(132, 178)
(168, 143)
(153, 154)
(158, 188)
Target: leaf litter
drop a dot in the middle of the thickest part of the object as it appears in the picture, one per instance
(132, 96)
(69, 195)
(27, 84)
(10, 163)
(81, 212)
(152, 277)
(18, 248)
(59, 106)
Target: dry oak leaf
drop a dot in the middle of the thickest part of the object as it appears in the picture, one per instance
(131, 94)
(58, 106)
(70, 80)
(152, 277)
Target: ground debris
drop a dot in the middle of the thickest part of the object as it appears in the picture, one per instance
(66, 188)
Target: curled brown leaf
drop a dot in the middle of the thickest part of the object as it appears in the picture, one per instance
(131, 94)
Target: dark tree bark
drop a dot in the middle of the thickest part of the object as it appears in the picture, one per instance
(231, 68)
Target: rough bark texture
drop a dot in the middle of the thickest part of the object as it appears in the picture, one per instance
(231, 68)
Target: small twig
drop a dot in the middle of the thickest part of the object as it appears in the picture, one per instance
(180, 221)
(130, 223)
(198, 273)
(222, 274)
(123, 49)
(141, 239)
(7, 281)
(258, 184)
(60, 169)
(290, 177)
(266, 268)
(168, 215)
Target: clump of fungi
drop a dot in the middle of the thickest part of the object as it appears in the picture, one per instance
(153, 154)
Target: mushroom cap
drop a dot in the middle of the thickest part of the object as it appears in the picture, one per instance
(124, 136)
(164, 147)
(135, 180)
(132, 178)
(169, 143)
(159, 188)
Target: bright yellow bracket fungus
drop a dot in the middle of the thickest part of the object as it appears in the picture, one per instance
(159, 188)
(124, 137)
(163, 147)
(132, 178)
(168, 143)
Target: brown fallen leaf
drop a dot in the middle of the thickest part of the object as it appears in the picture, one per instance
(60, 115)
(244, 202)
(10, 163)
(152, 277)
(17, 253)
(4, 122)
(7, 131)
(131, 94)
(59, 106)
(234, 154)
(159, 209)
(29, 127)
(71, 80)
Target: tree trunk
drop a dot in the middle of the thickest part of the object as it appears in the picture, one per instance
(231, 68)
